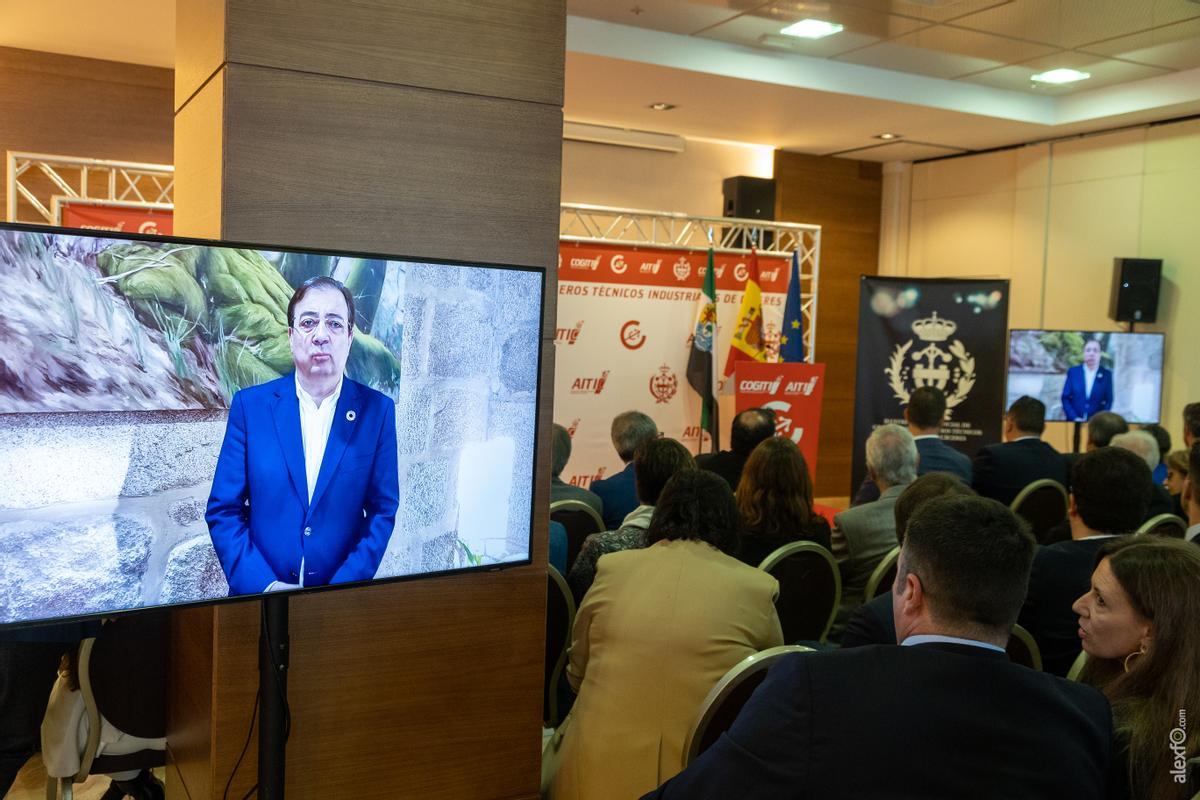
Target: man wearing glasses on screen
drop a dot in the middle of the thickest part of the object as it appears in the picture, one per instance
(1088, 389)
(306, 487)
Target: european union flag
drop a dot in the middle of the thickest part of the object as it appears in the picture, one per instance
(791, 338)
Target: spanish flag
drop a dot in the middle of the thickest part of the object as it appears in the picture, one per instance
(747, 343)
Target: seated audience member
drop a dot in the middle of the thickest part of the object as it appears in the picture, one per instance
(1163, 438)
(863, 535)
(557, 557)
(775, 497)
(872, 622)
(1191, 424)
(1138, 627)
(1191, 495)
(618, 493)
(559, 489)
(1109, 496)
(1101, 428)
(750, 427)
(659, 627)
(925, 412)
(657, 461)
(1001, 471)
(29, 660)
(1177, 472)
(946, 715)
(1143, 445)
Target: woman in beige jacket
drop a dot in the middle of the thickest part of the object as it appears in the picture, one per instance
(656, 631)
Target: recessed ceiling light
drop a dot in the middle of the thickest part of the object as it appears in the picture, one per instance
(662, 106)
(1061, 75)
(812, 29)
(887, 137)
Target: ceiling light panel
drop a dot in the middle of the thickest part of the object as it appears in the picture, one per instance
(812, 29)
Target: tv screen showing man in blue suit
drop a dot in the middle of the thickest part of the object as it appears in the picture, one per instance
(306, 486)
(1089, 386)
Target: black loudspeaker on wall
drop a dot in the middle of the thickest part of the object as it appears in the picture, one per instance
(749, 198)
(1135, 289)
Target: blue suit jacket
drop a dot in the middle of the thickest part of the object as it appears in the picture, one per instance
(1076, 403)
(261, 522)
(619, 494)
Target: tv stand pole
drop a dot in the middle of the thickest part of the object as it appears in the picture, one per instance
(272, 684)
(1076, 437)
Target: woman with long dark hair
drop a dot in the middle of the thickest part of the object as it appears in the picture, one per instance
(775, 497)
(1139, 626)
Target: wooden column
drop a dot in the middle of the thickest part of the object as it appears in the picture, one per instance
(844, 197)
(417, 127)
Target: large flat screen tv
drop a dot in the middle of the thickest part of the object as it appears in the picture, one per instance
(1079, 373)
(133, 478)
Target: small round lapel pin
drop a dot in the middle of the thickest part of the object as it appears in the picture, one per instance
(351, 416)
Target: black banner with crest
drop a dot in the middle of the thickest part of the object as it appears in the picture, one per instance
(945, 332)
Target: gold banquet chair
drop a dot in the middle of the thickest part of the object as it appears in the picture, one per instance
(727, 698)
(1022, 649)
(883, 576)
(560, 618)
(1166, 525)
(1043, 504)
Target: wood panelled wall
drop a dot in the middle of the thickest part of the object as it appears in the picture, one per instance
(416, 127)
(843, 197)
(63, 105)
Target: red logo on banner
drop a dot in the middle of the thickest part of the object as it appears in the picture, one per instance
(574, 426)
(793, 392)
(115, 218)
(650, 267)
(663, 384)
(583, 262)
(568, 335)
(617, 264)
(631, 335)
(589, 385)
(587, 480)
(682, 269)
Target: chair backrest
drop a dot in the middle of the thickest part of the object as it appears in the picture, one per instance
(1077, 667)
(883, 576)
(810, 586)
(1043, 504)
(560, 617)
(1167, 525)
(580, 520)
(726, 699)
(1022, 649)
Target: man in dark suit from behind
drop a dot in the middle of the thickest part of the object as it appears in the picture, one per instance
(749, 428)
(872, 623)
(1001, 471)
(945, 715)
(1100, 430)
(560, 454)
(924, 414)
(1109, 496)
(618, 494)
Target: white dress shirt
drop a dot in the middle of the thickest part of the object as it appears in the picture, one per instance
(1089, 379)
(925, 638)
(316, 421)
(1193, 533)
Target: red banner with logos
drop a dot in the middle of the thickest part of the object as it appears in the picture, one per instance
(626, 316)
(116, 218)
(793, 392)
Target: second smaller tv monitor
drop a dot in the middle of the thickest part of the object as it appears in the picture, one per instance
(1080, 373)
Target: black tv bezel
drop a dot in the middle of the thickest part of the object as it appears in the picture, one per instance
(1008, 363)
(6, 627)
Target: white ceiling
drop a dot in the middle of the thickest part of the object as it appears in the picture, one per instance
(950, 75)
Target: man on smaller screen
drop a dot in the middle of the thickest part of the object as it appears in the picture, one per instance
(306, 487)
(1089, 386)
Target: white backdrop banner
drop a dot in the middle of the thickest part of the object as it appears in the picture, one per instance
(625, 318)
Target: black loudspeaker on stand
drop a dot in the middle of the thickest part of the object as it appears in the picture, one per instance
(1135, 289)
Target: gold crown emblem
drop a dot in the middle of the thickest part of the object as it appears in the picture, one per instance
(933, 329)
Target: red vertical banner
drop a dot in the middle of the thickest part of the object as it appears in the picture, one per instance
(793, 392)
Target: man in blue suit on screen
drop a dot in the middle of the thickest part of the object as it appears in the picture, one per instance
(306, 487)
(1089, 386)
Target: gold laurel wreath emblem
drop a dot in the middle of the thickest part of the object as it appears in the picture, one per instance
(893, 371)
(966, 364)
